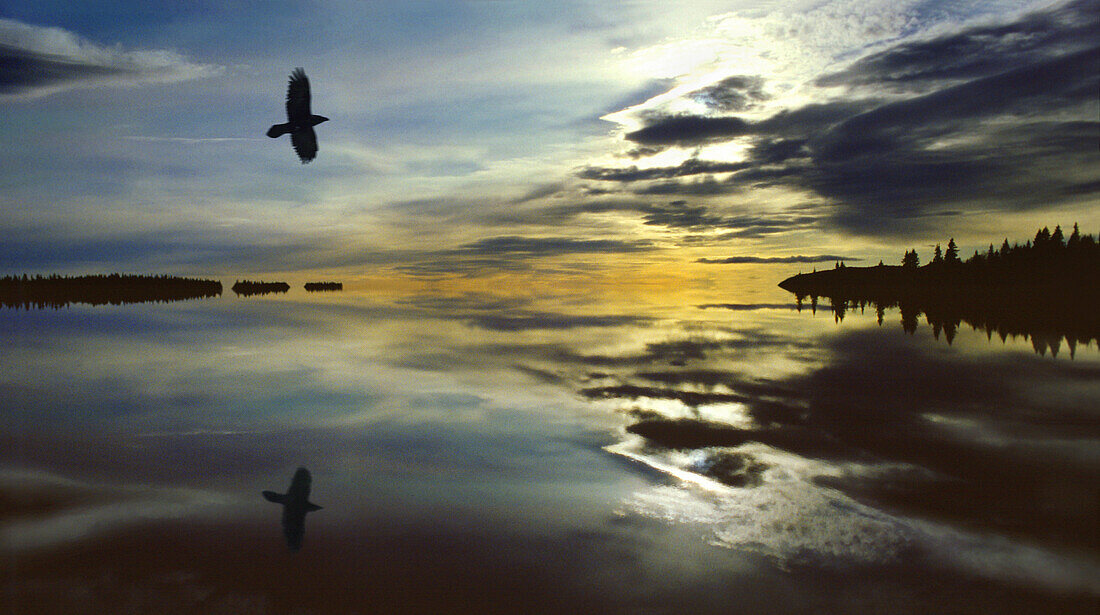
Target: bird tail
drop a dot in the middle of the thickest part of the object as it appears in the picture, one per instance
(278, 130)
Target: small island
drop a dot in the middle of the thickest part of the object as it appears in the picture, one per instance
(245, 288)
(323, 286)
(1046, 289)
(58, 291)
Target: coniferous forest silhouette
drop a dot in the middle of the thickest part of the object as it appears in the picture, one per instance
(247, 288)
(1044, 290)
(57, 291)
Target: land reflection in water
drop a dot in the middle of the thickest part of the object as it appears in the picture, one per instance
(510, 452)
(40, 292)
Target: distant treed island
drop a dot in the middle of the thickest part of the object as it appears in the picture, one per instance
(323, 286)
(246, 288)
(58, 291)
(1046, 289)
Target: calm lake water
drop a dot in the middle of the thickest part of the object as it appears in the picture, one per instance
(559, 453)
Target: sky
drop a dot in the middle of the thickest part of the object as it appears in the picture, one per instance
(479, 141)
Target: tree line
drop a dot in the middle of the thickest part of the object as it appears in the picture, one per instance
(59, 291)
(1047, 246)
(1045, 289)
(249, 287)
(56, 291)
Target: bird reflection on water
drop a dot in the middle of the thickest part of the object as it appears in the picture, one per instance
(295, 506)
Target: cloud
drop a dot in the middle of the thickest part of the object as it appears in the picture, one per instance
(529, 321)
(510, 314)
(747, 307)
(31, 250)
(983, 438)
(688, 167)
(975, 52)
(997, 117)
(36, 61)
(704, 186)
(689, 130)
(680, 214)
(513, 253)
(539, 192)
(734, 93)
(514, 245)
(677, 352)
(694, 130)
(971, 142)
(822, 258)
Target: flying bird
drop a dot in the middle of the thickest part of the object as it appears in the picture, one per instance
(295, 506)
(300, 121)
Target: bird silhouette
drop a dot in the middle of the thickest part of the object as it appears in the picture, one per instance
(295, 506)
(300, 121)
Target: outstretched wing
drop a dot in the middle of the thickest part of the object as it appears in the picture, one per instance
(305, 144)
(297, 98)
(271, 496)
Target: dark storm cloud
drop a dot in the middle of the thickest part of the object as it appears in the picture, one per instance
(976, 52)
(758, 226)
(692, 130)
(822, 258)
(998, 117)
(882, 167)
(1058, 83)
(688, 167)
(735, 93)
(807, 121)
(705, 186)
(689, 130)
(37, 60)
(683, 215)
(775, 151)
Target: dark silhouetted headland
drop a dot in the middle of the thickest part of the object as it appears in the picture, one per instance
(320, 286)
(1045, 290)
(248, 287)
(295, 506)
(59, 291)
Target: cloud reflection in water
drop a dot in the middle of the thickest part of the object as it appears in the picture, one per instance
(821, 446)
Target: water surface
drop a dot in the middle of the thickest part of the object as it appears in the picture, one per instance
(540, 451)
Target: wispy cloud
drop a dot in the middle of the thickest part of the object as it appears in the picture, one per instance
(37, 61)
(513, 253)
